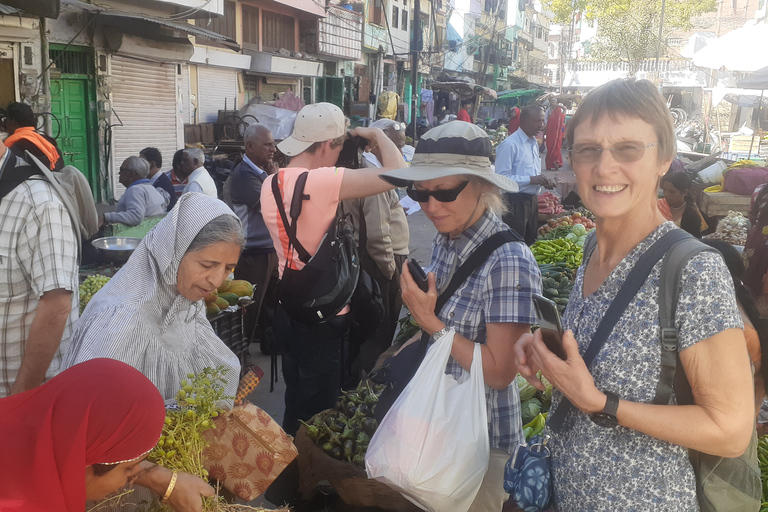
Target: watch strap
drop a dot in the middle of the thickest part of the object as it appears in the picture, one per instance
(611, 404)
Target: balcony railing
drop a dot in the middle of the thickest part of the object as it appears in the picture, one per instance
(340, 34)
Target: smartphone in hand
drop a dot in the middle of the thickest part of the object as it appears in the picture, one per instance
(418, 275)
(550, 325)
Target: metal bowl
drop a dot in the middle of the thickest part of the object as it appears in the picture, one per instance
(116, 249)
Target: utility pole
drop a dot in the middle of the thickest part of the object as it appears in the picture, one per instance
(415, 40)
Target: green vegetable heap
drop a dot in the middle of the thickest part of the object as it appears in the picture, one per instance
(345, 431)
(556, 251)
(534, 405)
(89, 288)
(557, 282)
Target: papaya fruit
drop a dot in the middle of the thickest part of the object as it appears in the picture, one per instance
(224, 286)
(240, 288)
(231, 298)
(211, 297)
(212, 309)
(222, 303)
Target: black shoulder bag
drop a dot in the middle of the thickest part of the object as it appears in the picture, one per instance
(398, 370)
(321, 289)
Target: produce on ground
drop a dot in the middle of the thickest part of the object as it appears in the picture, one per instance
(549, 203)
(89, 288)
(567, 220)
(557, 251)
(557, 282)
(733, 228)
(534, 404)
(576, 233)
(345, 431)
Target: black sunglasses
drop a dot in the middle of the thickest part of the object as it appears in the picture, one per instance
(444, 196)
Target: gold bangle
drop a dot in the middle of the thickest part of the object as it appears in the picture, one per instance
(170, 487)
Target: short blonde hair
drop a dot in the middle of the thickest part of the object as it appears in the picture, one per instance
(629, 98)
(490, 198)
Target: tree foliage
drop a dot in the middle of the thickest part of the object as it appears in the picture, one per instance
(627, 30)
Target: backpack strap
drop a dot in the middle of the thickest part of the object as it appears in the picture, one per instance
(635, 280)
(296, 203)
(669, 287)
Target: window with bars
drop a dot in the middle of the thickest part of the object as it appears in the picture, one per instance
(224, 25)
(71, 62)
(395, 16)
(278, 32)
(250, 26)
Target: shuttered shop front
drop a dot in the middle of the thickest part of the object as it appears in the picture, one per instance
(216, 90)
(144, 98)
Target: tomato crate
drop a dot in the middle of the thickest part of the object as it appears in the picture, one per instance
(229, 325)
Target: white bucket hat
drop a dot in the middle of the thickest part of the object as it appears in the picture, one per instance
(451, 149)
(317, 122)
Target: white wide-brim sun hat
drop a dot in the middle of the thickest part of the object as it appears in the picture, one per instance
(457, 148)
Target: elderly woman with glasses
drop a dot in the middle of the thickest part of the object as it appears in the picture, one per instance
(616, 449)
(451, 178)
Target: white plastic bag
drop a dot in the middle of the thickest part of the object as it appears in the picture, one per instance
(433, 444)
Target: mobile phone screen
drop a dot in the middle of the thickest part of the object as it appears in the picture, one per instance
(550, 325)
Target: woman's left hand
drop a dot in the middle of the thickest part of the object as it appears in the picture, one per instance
(420, 304)
(571, 377)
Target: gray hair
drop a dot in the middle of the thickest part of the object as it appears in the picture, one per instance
(386, 124)
(222, 229)
(195, 154)
(137, 165)
(253, 131)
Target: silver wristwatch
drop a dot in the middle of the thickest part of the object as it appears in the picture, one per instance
(442, 332)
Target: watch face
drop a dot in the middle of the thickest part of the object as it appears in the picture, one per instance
(603, 420)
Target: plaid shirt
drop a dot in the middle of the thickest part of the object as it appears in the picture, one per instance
(499, 291)
(38, 253)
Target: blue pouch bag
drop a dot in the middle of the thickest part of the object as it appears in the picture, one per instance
(527, 475)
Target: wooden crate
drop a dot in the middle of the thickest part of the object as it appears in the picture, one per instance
(718, 204)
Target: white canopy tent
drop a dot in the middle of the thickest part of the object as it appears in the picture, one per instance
(739, 50)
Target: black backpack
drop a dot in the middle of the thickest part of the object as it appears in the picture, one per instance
(321, 289)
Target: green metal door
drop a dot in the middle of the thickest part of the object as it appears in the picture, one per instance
(73, 103)
(330, 89)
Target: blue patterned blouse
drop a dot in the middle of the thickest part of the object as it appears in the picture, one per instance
(618, 469)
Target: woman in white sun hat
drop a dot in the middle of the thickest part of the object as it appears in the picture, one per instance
(452, 180)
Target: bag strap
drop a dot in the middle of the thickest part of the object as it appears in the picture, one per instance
(627, 292)
(296, 203)
(669, 287)
(475, 259)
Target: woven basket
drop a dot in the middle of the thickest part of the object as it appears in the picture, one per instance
(349, 480)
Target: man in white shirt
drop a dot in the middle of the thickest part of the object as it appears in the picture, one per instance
(199, 180)
(518, 157)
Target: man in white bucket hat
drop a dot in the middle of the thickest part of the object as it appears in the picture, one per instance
(451, 178)
(311, 352)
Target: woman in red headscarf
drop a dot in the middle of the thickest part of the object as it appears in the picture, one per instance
(514, 120)
(554, 138)
(80, 436)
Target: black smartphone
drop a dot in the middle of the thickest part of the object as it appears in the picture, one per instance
(550, 325)
(418, 275)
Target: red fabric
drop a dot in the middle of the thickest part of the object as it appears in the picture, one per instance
(514, 123)
(554, 140)
(663, 207)
(99, 411)
(464, 116)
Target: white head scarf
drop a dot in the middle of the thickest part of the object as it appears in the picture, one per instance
(140, 318)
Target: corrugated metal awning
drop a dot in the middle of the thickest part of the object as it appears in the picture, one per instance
(175, 25)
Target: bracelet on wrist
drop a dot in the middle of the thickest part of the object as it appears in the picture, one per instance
(170, 487)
